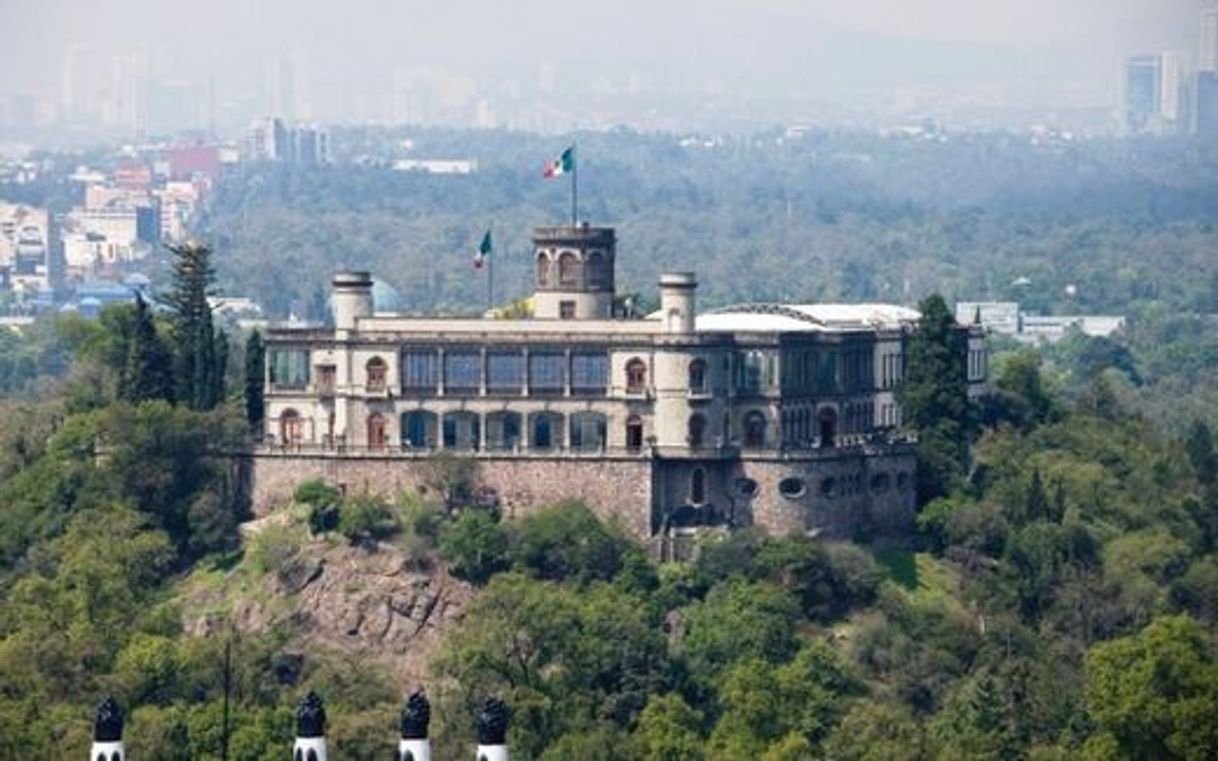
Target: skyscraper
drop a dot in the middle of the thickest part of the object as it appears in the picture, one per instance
(1207, 60)
(1143, 76)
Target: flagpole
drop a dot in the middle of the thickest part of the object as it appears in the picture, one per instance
(574, 187)
(490, 281)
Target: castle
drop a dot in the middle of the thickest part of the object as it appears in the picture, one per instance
(780, 416)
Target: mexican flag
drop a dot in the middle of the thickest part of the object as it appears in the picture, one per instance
(484, 250)
(564, 164)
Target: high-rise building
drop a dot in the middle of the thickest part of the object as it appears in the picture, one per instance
(1156, 94)
(1207, 60)
(267, 140)
(1205, 109)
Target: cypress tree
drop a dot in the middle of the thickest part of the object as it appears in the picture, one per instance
(255, 372)
(147, 373)
(195, 361)
(219, 380)
(1036, 504)
(934, 398)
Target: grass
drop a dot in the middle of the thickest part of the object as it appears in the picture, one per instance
(921, 575)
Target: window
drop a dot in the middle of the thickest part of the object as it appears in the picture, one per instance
(634, 433)
(828, 487)
(598, 273)
(568, 270)
(376, 370)
(545, 430)
(291, 427)
(503, 430)
(376, 431)
(566, 310)
(587, 431)
(420, 370)
(419, 429)
(589, 372)
(746, 487)
(754, 430)
(636, 376)
(791, 488)
(697, 487)
(547, 373)
(826, 424)
(697, 376)
(697, 431)
(288, 368)
(504, 372)
(326, 380)
(462, 431)
(462, 371)
(753, 371)
(543, 269)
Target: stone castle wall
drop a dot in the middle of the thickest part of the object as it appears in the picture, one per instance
(615, 489)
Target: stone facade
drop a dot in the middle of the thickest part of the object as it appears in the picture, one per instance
(783, 416)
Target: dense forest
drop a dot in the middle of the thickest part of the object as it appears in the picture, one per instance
(1059, 599)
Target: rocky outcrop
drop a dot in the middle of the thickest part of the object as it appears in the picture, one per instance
(374, 599)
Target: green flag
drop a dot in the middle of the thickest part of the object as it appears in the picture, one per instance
(484, 250)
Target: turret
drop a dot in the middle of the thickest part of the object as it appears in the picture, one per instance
(414, 745)
(677, 302)
(108, 733)
(574, 273)
(310, 729)
(492, 720)
(352, 298)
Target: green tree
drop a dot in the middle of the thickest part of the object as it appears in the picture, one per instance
(197, 367)
(668, 730)
(147, 372)
(475, 546)
(934, 398)
(1200, 446)
(568, 541)
(255, 373)
(1156, 692)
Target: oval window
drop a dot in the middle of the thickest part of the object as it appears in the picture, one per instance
(791, 488)
(746, 487)
(828, 487)
(880, 483)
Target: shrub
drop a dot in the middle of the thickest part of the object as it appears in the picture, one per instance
(275, 547)
(475, 547)
(568, 541)
(367, 518)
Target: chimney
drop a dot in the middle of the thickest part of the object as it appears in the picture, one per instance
(108, 733)
(492, 720)
(414, 745)
(310, 729)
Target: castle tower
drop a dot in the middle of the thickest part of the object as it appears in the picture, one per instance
(414, 745)
(676, 401)
(108, 733)
(352, 299)
(677, 302)
(492, 731)
(310, 729)
(574, 275)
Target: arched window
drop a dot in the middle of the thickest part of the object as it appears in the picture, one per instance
(291, 427)
(754, 430)
(543, 269)
(462, 430)
(697, 431)
(634, 433)
(545, 430)
(636, 376)
(597, 272)
(503, 430)
(376, 431)
(826, 425)
(587, 431)
(376, 371)
(568, 270)
(697, 376)
(697, 487)
(419, 429)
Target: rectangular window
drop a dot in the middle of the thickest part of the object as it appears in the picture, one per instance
(326, 380)
(505, 372)
(462, 372)
(419, 370)
(589, 372)
(288, 368)
(547, 373)
(566, 310)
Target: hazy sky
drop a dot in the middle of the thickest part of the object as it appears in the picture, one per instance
(1054, 51)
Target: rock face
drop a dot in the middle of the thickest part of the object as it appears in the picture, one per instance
(371, 599)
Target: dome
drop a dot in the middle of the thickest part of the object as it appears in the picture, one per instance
(385, 298)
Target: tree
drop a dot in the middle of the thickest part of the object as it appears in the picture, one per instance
(934, 398)
(1156, 692)
(475, 546)
(147, 373)
(567, 541)
(198, 367)
(1200, 447)
(668, 730)
(255, 372)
